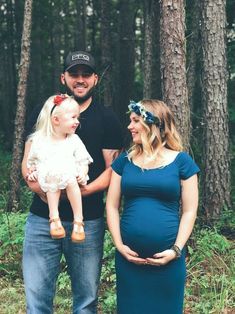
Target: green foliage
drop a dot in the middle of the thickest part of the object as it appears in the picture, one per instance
(5, 161)
(26, 197)
(211, 273)
(63, 299)
(11, 296)
(11, 241)
(226, 223)
(25, 193)
(207, 244)
(107, 297)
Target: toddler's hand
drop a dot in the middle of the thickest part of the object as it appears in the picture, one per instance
(81, 179)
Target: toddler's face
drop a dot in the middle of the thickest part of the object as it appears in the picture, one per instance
(68, 120)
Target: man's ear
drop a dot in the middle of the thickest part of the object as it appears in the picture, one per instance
(62, 79)
(96, 79)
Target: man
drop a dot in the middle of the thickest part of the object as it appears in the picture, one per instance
(100, 131)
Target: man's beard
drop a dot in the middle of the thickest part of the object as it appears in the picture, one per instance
(80, 100)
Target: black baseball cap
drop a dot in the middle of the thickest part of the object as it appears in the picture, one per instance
(79, 57)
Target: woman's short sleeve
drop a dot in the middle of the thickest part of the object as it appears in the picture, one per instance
(187, 166)
(119, 163)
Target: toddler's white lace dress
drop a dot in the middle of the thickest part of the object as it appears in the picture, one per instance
(57, 163)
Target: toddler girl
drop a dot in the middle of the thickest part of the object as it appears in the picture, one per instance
(58, 160)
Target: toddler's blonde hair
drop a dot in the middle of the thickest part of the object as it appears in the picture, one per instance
(44, 126)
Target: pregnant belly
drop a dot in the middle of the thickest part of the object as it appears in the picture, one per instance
(149, 229)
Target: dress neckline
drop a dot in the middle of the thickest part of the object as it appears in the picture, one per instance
(160, 167)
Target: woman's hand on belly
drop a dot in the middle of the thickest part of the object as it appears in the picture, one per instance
(162, 258)
(130, 255)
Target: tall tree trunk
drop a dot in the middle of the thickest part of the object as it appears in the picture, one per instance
(126, 57)
(67, 41)
(15, 175)
(148, 47)
(95, 26)
(216, 187)
(106, 49)
(173, 64)
(80, 34)
(193, 48)
(55, 33)
(156, 77)
(8, 72)
(36, 92)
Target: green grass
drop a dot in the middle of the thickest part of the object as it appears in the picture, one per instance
(211, 274)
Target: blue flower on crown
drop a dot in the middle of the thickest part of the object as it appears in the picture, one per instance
(140, 110)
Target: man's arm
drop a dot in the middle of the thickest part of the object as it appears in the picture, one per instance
(101, 183)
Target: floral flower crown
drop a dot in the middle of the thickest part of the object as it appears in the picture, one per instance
(140, 110)
(58, 100)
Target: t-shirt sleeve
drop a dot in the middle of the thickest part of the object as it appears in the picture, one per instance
(119, 163)
(187, 166)
(113, 135)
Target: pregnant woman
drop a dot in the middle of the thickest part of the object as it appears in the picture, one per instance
(159, 184)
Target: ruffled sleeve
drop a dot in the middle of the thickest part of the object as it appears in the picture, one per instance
(187, 166)
(119, 163)
(81, 154)
(32, 160)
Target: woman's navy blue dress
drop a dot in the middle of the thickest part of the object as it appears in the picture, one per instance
(149, 224)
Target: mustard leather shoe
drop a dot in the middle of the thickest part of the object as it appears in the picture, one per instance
(58, 232)
(78, 234)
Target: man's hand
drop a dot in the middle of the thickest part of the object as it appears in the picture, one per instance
(85, 190)
(32, 176)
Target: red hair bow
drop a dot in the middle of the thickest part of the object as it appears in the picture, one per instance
(59, 98)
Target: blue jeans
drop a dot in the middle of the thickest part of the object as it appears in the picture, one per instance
(41, 265)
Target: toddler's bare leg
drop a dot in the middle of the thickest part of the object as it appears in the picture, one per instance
(75, 198)
(56, 229)
(53, 203)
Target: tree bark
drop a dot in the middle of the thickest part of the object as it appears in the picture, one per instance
(15, 174)
(148, 47)
(8, 72)
(193, 53)
(126, 57)
(173, 64)
(80, 38)
(56, 44)
(156, 76)
(106, 49)
(216, 183)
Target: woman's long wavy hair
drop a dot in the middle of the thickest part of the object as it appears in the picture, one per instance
(155, 137)
(44, 126)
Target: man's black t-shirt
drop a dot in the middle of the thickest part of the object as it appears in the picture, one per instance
(99, 129)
